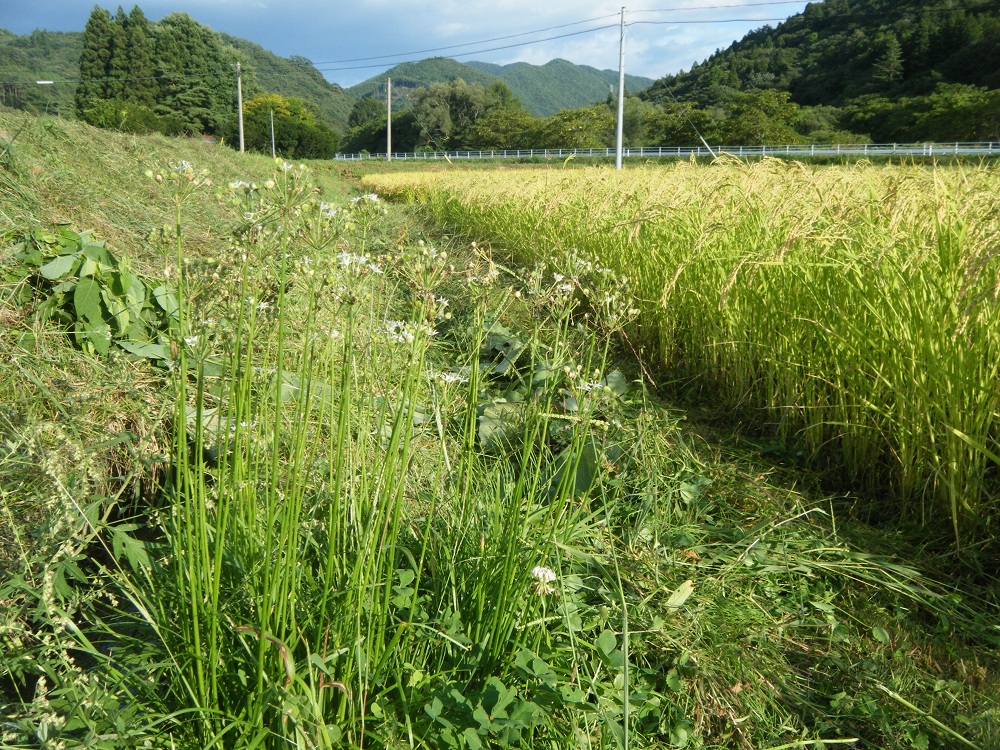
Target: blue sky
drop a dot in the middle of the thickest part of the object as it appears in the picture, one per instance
(334, 34)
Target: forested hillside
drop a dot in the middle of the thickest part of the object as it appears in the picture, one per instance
(56, 56)
(887, 69)
(41, 55)
(543, 89)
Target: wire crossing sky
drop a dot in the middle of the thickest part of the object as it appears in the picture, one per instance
(353, 41)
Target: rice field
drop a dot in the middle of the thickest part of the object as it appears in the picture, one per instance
(852, 309)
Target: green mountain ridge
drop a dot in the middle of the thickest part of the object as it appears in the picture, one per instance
(543, 89)
(295, 76)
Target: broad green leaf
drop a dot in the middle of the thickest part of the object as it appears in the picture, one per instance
(118, 310)
(881, 635)
(96, 251)
(472, 739)
(166, 300)
(606, 642)
(59, 267)
(88, 267)
(674, 681)
(149, 351)
(100, 337)
(87, 301)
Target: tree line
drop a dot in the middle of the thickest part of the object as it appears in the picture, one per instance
(177, 77)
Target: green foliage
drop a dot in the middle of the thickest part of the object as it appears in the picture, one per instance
(503, 128)
(299, 133)
(365, 111)
(839, 53)
(592, 127)
(95, 60)
(76, 283)
(195, 82)
(45, 55)
(953, 112)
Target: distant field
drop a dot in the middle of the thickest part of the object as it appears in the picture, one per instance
(852, 308)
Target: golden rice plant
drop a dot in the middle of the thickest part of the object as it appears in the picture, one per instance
(855, 307)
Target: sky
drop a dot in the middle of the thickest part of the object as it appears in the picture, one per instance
(663, 36)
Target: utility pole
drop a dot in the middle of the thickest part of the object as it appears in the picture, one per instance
(239, 101)
(388, 119)
(621, 95)
(272, 134)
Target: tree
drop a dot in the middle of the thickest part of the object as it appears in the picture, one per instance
(298, 131)
(500, 96)
(140, 54)
(366, 110)
(446, 110)
(888, 68)
(94, 60)
(590, 127)
(503, 128)
(761, 117)
(197, 85)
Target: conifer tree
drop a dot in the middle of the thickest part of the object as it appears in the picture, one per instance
(117, 87)
(194, 76)
(141, 66)
(94, 60)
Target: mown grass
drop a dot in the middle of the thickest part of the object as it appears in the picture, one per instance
(852, 308)
(387, 493)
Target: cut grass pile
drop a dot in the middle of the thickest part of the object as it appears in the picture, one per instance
(385, 493)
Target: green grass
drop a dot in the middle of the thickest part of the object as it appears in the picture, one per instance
(416, 500)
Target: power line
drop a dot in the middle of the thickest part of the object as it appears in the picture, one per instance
(466, 44)
(706, 21)
(719, 7)
(480, 51)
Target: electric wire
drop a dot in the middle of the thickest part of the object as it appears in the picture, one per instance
(467, 44)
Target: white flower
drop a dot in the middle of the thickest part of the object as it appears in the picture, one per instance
(190, 340)
(451, 377)
(543, 578)
(401, 332)
(558, 277)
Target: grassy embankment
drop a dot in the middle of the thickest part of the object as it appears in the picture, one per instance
(310, 501)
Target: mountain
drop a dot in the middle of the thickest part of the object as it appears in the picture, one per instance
(411, 75)
(882, 65)
(53, 55)
(543, 89)
(295, 76)
(560, 84)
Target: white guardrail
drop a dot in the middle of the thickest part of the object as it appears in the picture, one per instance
(686, 152)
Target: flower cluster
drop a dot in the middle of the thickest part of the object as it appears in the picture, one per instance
(357, 264)
(401, 332)
(544, 577)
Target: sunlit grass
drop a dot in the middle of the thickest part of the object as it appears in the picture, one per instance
(853, 308)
